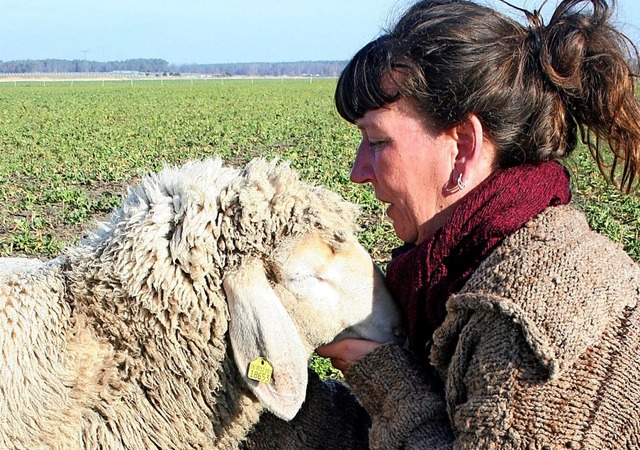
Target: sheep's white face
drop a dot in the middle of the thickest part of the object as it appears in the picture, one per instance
(335, 292)
(305, 295)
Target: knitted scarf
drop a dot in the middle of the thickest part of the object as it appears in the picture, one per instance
(422, 277)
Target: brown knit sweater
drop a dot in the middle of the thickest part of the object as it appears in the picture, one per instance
(540, 350)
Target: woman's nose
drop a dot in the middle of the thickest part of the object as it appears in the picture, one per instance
(361, 169)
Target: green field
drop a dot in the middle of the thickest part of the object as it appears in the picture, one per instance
(70, 148)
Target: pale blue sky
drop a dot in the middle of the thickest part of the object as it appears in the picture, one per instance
(208, 31)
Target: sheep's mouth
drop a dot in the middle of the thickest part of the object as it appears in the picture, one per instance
(396, 336)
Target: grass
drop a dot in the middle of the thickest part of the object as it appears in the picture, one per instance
(70, 150)
(608, 210)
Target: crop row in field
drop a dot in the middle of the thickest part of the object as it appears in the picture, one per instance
(69, 149)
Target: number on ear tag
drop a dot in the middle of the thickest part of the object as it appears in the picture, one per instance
(260, 370)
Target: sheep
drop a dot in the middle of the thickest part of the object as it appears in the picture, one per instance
(145, 333)
(13, 264)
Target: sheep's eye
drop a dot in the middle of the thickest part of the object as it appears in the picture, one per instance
(339, 236)
(301, 276)
(306, 277)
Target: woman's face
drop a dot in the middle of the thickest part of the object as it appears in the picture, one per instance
(409, 165)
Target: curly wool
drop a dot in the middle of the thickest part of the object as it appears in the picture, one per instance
(145, 361)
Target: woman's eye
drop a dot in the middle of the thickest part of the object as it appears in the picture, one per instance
(376, 144)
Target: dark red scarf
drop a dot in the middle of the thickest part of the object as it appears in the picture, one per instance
(423, 277)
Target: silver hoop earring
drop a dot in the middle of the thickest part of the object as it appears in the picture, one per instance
(461, 184)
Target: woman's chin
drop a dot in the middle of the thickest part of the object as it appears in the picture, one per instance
(404, 235)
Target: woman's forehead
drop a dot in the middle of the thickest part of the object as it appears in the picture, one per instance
(376, 117)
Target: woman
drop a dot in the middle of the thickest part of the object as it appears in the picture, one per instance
(524, 328)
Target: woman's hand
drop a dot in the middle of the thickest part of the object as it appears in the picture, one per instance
(344, 352)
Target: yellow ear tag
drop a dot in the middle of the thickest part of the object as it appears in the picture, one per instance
(260, 370)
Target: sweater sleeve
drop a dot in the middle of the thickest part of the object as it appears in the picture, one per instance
(330, 419)
(482, 404)
(498, 391)
(499, 394)
(405, 402)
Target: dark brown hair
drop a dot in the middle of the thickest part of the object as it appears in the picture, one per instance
(536, 88)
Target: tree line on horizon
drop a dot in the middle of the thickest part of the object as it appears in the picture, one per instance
(160, 66)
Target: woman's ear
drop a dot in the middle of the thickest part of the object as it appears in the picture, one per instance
(474, 159)
(469, 138)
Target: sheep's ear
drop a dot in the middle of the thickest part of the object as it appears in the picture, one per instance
(263, 334)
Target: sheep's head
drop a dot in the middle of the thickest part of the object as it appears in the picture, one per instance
(317, 282)
(305, 295)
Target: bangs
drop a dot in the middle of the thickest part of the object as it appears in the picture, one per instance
(360, 84)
